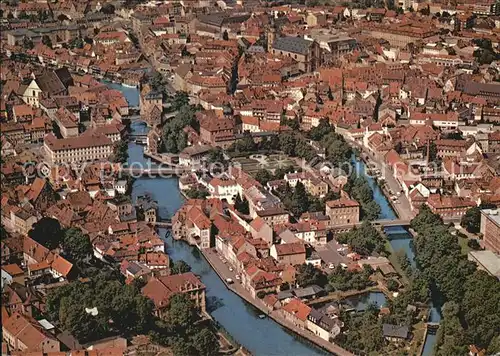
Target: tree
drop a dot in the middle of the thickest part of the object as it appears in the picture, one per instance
(180, 99)
(300, 200)
(62, 18)
(308, 275)
(473, 244)
(76, 244)
(174, 137)
(157, 82)
(454, 279)
(197, 193)
(205, 343)
(263, 176)
(241, 205)
(216, 156)
(108, 9)
(471, 221)
(246, 144)
(120, 151)
(47, 41)
(23, 15)
(225, 36)
(120, 308)
(43, 16)
(27, 43)
(76, 42)
(47, 232)
(180, 267)
(364, 239)
(392, 285)
(181, 312)
(320, 131)
(183, 347)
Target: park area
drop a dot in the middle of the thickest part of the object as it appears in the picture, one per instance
(256, 162)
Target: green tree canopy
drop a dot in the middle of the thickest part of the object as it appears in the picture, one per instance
(471, 220)
(181, 312)
(205, 343)
(120, 151)
(308, 275)
(263, 176)
(47, 231)
(47, 41)
(241, 205)
(179, 267)
(76, 244)
(364, 239)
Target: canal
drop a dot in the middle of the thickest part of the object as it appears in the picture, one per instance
(399, 239)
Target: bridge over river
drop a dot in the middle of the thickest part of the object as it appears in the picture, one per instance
(382, 223)
(154, 171)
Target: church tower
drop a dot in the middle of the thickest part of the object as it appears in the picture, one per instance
(271, 36)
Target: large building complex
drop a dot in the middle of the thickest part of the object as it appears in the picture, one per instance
(77, 149)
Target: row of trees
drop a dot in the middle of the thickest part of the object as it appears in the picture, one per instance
(359, 189)
(469, 296)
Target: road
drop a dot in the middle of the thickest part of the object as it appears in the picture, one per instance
(223, 271)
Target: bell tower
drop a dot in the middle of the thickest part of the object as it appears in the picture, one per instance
(271, 36)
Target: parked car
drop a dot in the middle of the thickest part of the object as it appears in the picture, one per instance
(331, 266)
(230, 269)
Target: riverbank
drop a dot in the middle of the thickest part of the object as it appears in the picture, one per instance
(223, 272)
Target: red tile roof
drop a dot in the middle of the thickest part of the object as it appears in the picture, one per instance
(298, 309)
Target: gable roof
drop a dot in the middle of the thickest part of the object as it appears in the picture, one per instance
(27, 331)
(292, 44)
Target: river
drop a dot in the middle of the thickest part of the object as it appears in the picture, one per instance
(131, 94)
(400, 239)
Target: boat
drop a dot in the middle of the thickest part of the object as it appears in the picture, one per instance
(229, 281)
(262, 316)
(129, 85)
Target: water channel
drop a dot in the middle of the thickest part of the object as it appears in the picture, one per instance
(240, 319)
(400, 239)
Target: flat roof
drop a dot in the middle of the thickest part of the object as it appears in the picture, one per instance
(488, 260)
(492, 214)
